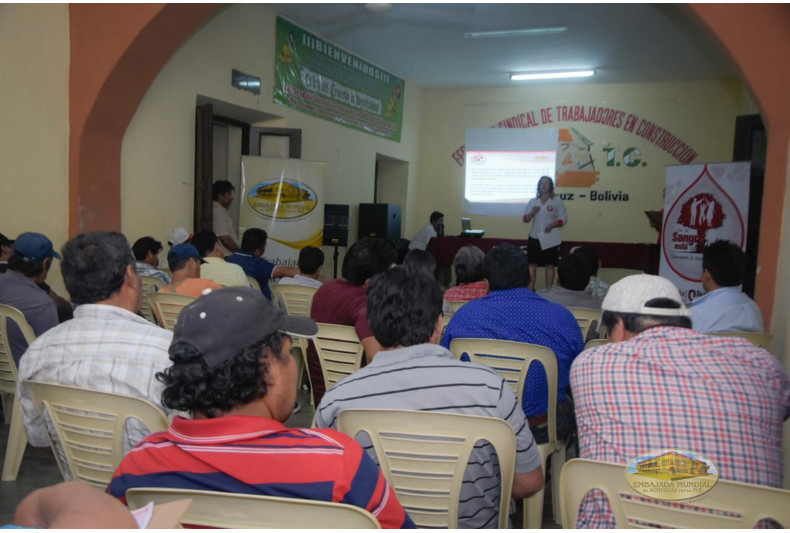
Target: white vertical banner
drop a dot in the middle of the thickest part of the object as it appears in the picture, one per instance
(285, 197)
(703, 203)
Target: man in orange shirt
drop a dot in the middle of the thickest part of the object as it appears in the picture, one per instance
(184, 261)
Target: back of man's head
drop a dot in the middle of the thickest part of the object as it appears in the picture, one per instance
(420, 260)
(403, 307)
(205, 241)
(254, 239)
(590, 255)
(506, 267)
(94, 265)
(436, 215)
(32, 254)
(143, 245)
(468, 264)
(220, 187)
(726, 263)
(180, 256)
(573, 273)
(366, 258)
(310, 260)
(642, 302)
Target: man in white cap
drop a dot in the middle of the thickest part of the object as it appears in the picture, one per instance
(661, 385)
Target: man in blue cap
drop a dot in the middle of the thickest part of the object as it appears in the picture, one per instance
(28, 266)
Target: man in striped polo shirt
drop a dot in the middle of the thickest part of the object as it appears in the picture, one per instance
(413, 372)
(232, 368)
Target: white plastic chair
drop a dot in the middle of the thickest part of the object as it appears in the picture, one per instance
(149, 283)
(296, 300)
(339, 351)
(167, 306)
(586, 318)
(758, 338)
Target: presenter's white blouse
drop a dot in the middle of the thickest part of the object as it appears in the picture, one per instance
(549, 213)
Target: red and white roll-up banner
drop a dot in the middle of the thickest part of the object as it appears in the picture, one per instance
(702, 204)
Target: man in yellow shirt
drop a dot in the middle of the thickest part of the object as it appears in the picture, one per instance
(214, 266)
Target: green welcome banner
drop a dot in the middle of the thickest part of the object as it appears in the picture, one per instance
(318, 78)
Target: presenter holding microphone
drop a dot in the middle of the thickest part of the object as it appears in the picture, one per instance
(547, 213)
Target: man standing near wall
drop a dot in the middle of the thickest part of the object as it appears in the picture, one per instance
(222, 193)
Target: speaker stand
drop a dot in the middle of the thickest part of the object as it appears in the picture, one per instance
(335, 255)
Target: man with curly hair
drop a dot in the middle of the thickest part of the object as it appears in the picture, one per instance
(240, 392)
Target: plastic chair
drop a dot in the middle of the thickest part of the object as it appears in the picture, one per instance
(456, 304)
(12, 409)
(593, 343)
(728, 505)
(254, 283)
(424, 455)
(89, 426)
(149, 282)
(586, 318)
(167, 306)
(512, 360)
(339, 351)
(296, 300)
(212, 509)
(758, 338)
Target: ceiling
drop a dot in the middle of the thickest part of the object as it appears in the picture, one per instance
(425, 43)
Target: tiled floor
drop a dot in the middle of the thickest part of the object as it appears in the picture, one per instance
(39, 469)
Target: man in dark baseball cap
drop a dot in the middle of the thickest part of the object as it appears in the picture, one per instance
(233, 371)
(6, 249)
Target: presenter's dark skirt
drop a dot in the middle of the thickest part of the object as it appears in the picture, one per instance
(536, 256)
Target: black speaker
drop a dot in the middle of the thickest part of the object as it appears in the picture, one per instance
(379, 220)
(335, 225)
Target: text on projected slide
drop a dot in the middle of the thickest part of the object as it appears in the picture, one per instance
(506, 176)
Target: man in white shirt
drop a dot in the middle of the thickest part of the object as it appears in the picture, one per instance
(222, 192)
(214, 266)
(311, 262)
(107, 346)
(724, 307)
(420, 240)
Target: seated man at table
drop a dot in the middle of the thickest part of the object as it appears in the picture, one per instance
(724, 307)
(413, 372)
(239, 394)
(420, 240)
(512, 312)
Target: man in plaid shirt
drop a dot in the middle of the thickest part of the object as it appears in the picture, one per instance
(659, 384)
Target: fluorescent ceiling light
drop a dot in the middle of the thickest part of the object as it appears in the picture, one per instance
(519, 76)
(514, 33)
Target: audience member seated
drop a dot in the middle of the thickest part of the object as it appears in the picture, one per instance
(724, 307)
(29, 265)
(146, 254)
(179, 236)
(342, 301)
(420, 260)
(185, 262)
(573, 275)
(596, 286)
(107, 346)
(239, 394)
(6, 249)
(250, 259)
(413, 372)
(214, 266)
(468, 264)
(512, 312)
(671, 387)
(311, 262)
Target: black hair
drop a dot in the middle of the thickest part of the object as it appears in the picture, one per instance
(436, 215)
(220, 187)
(403, 307)
(5, 241)
(94, 265)
(204, 241)
(253, 239)
(176, 264)
(468, 264)
(574, 272)
(366, 258)
(143, 245)
(637, 323)
(420, 260)
(726, 263)
(551, 186)
(24, 266)
(505, 267)
(310, 259)
(191, 386)
(589, 254)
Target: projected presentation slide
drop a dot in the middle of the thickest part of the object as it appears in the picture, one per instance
(503, 167)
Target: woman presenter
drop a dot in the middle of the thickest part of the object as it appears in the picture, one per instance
(546, 212)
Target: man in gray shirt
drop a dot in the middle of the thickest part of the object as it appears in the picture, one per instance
(413, 372)
(28, 266)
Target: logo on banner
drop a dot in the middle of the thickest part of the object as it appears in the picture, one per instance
(283, 199)
(701, 214)
(671, 474)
